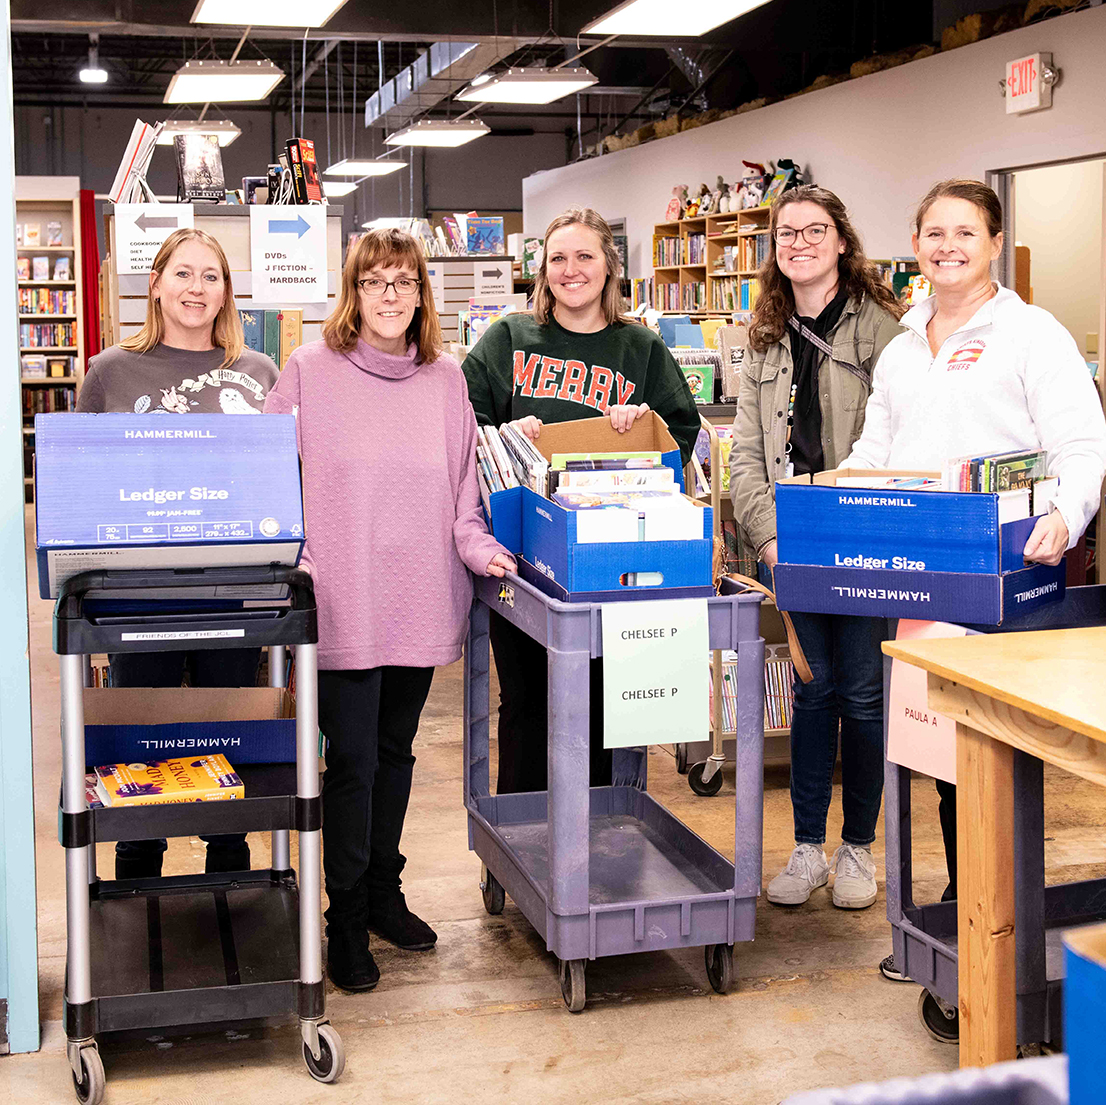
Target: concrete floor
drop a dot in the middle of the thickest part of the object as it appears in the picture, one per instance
(481, 1018)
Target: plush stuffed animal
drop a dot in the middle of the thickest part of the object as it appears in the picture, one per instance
(796, 177)
(675, 204)
(753, 184)
(723, 193)
(705, 200)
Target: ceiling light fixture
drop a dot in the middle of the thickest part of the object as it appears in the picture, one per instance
(201, 82)
(338, 188)
(438, 132)
(354, 166)
(656, 17)
(532, 85)
(223, 129)
(273, 13)
(92, 73)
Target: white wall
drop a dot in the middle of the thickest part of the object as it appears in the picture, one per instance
(879, 141)
(1058, 215)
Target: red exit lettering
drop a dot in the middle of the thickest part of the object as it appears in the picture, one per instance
(1023, 76)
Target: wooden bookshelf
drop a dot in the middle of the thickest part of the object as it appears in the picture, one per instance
(43, 200)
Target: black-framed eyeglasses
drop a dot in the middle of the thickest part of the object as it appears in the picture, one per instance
(374, 287)
(812, 234)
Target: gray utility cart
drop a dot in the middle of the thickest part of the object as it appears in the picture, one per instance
(608, 870)
(192, 949)
(925, 936)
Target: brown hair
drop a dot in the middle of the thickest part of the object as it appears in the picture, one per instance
(226, 331)
(373, 250)
(776, 301)
(612, 296)
(975, 192)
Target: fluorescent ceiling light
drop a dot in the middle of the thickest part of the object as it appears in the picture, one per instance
(201, 82)
(271, 13)
(338, 188)
(527, 86)
(353, 166)
(223, 129)
(438, 132)
(93, 76)
(660, 17)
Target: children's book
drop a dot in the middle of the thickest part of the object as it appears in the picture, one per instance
(40, 268)
(252, 331)
(485, 234)
(291, 332)
(203, 779)
(271, 336)
(23, 268)
(604, 461)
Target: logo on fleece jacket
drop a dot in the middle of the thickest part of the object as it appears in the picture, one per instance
(549, 378)
(966, 355)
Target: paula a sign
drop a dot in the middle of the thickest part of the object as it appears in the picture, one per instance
(288, 253)
(1028, 84)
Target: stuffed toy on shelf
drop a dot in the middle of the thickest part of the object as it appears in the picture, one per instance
(723, 206)
(752, 184)
(676, 204)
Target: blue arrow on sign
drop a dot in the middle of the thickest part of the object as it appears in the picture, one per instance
(298, 226)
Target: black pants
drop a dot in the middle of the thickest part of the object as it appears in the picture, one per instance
(369, 719)
(231, 667)
(946, 810)
(521, 664)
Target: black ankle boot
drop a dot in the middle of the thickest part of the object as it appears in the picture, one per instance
(227, 857)
(349, 963)
(388, 916)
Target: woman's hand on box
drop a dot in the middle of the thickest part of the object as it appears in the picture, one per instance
(500, 565)
(624, 416)
(530, 426)
(1049, 540)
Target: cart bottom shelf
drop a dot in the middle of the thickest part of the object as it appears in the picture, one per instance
(652, 882)
(194, 950)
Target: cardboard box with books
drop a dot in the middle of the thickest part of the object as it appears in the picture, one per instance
(898, 544)
(594, 515)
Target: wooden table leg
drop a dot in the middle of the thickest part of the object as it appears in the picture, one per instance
(985, 895)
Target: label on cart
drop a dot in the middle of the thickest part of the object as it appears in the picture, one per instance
(184, 635)
(654, 663)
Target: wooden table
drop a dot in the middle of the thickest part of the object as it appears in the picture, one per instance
(1045, 694)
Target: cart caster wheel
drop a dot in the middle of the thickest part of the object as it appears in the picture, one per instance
(90, 1089)
(681, 758)
(495, 897)
(572, 984)
(332, 1056)
(706, 789)
(937, 1023)
(719, 959)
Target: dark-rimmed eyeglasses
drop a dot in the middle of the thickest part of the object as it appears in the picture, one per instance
(374, 287)
(812, 234)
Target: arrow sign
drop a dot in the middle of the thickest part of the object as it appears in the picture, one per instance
(488, 273)
(298, 226)
(144, 222)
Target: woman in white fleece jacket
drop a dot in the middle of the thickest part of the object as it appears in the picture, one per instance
(978, 371)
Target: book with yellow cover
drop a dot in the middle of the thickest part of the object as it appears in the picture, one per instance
(291, 332)
(186, 779)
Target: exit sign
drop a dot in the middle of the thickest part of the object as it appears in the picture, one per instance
(1027, 88)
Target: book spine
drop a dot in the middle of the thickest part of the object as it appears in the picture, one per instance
(291, 333)
(252, 332)
(271, 324)
(295, 163)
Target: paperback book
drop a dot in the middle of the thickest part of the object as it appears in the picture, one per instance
(204, 779)
(199, 169)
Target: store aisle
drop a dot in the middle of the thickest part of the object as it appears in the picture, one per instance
(481, 1018)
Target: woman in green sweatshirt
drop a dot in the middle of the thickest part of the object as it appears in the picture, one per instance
(576, 355)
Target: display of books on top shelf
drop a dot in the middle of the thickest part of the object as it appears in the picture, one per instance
(32, 234)
(188, 779)
(199, 169)
(53, 234)
(62, 270)
(305, 172)
(485, 234)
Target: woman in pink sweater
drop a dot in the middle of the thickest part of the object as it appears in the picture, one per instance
(394, 526)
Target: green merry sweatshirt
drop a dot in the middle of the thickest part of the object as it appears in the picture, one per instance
(520, 367)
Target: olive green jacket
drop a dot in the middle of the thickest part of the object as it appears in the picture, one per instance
(758, 457)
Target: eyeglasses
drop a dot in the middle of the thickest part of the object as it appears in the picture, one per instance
(374, 287)
(812, 234)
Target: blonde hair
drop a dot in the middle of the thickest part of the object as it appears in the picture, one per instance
(613, 303)
(226, 331)
(376, 249)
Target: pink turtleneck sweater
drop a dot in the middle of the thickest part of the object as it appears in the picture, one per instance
(391, 502)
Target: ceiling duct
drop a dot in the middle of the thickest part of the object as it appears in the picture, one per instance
(432, 77)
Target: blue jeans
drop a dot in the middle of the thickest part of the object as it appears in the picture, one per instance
(845, 659)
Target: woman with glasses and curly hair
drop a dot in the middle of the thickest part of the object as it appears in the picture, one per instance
(394, 525)
(821, 321)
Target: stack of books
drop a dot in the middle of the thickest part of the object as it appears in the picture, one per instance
(1005, 474)
(779, 698)
(507, 458)
(273, 332)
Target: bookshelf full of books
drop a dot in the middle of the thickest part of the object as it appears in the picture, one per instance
(778, 694)
(679, 268)
(48, 302)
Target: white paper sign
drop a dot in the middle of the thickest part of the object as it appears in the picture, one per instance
(654, 672)
(140, 228)
(288, 253)
(492, 278)
(436, 271)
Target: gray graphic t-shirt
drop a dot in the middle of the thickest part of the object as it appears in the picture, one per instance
(164, 380)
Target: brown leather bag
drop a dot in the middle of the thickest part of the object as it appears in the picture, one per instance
(798, 657)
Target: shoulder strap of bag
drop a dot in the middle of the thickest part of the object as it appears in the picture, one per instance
(798, 657)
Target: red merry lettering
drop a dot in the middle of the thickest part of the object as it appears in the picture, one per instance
(572, 386)
(625, 389)
(599, 393)
(524, 372)
(546, 387)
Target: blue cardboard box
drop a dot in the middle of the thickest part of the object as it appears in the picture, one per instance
(248, 725)
(543, 534)
(1085, 1012)
(930, 555)
(162, 491)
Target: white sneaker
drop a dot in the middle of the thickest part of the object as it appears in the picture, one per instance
(854, 883)
(806, 870)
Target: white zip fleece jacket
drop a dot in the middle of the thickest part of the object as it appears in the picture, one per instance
(1011, 379)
